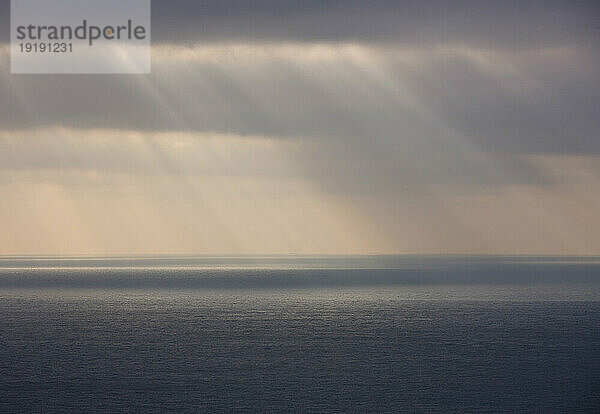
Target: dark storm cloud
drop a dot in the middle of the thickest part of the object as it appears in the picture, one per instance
(508, 23)
(500, 23)
(544, 103)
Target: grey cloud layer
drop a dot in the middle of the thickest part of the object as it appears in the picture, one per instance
(369, 119)
(539, 101)
(384, 95)
(508, 23)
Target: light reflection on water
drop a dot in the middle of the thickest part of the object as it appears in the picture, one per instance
(414, 335)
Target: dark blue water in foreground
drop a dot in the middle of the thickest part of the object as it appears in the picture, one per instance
(359, 334)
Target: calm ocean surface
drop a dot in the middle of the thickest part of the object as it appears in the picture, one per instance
(300, 334)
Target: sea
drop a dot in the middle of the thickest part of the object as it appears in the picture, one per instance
(299, 334)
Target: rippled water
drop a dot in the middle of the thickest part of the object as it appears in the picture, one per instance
(374, 334)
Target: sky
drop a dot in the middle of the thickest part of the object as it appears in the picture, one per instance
(316, 127)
